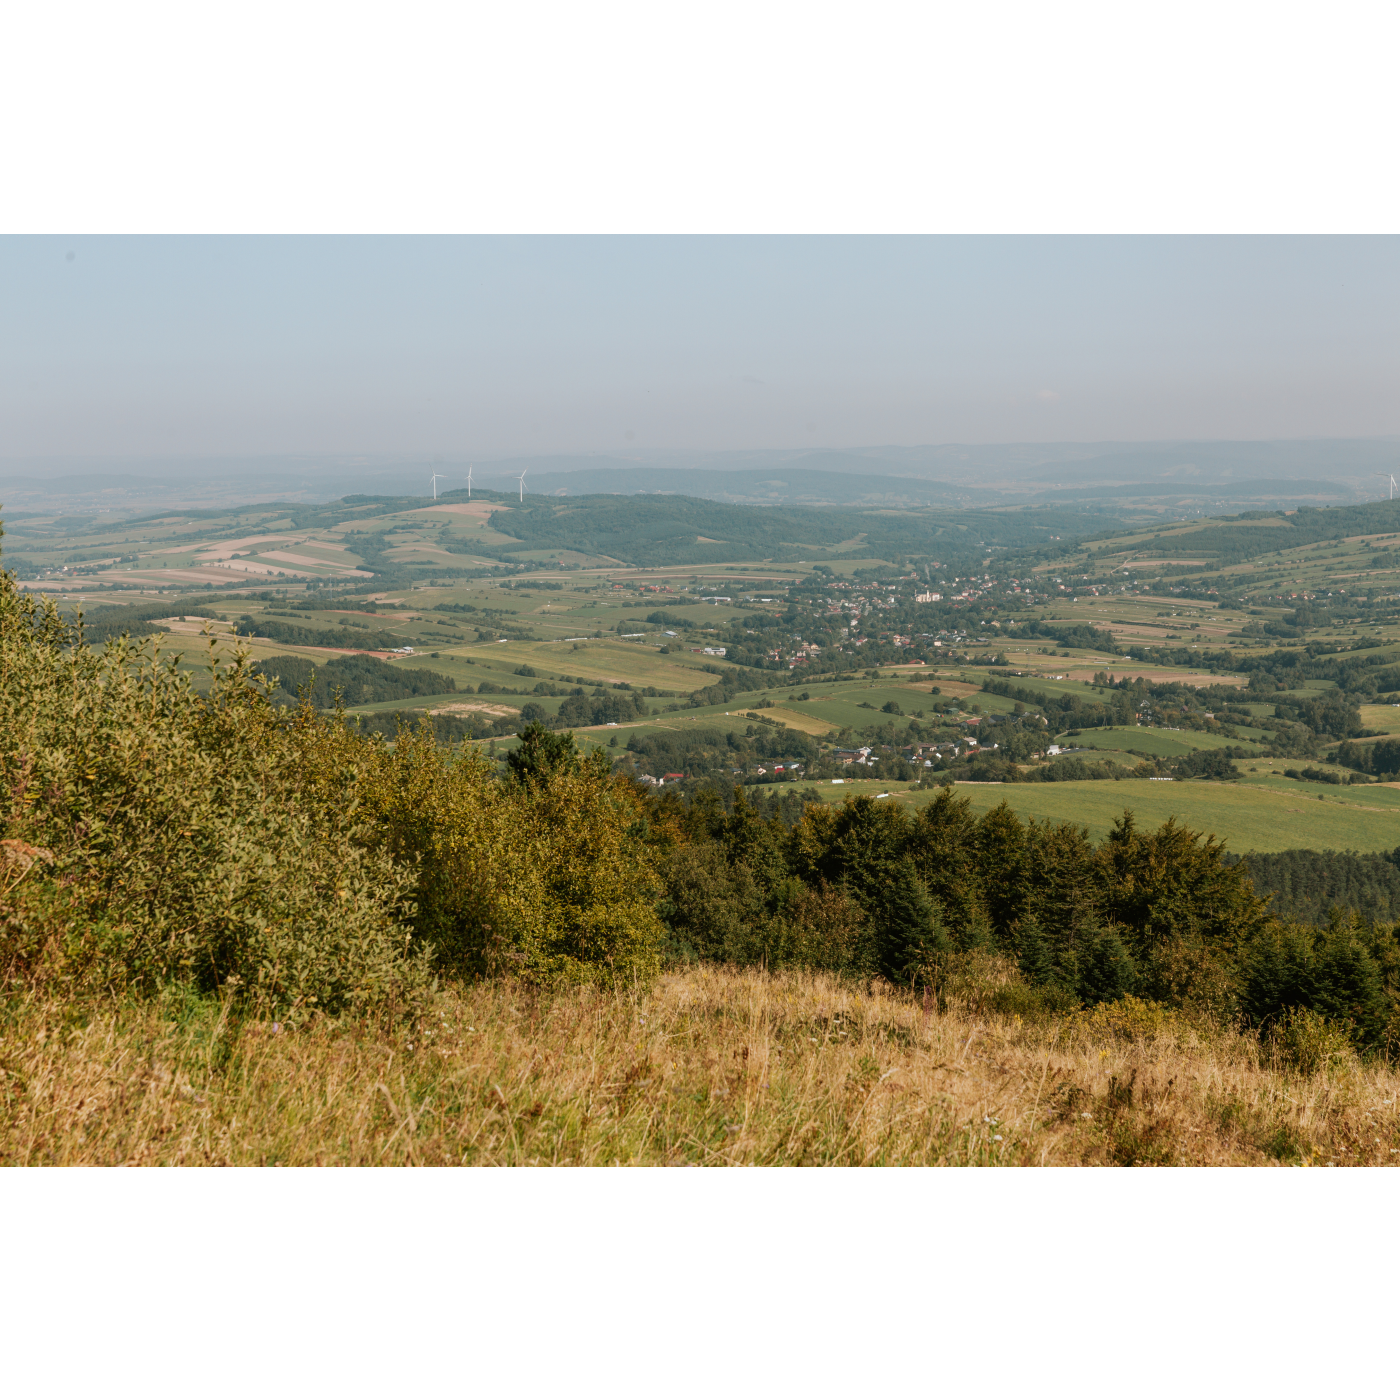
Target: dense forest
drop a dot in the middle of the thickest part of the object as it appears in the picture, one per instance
(1309, 885)
(652, 530)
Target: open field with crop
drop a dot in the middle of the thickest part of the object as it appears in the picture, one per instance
(707, 1067)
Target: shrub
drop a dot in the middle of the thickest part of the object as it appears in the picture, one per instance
(1127, 1018)
(186, 846)
(548, 878)
(1104, 968)
(985, 982)
(1304, 1041)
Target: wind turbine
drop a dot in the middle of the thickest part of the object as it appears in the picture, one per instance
(437, 476)
(522, 483)
(1385, 476)
(469, 483)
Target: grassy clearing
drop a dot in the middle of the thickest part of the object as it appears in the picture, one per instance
(1161, 743)
(1278, 816)
(1386, 718)
(706, 1067)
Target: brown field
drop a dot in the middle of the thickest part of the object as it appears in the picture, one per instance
(959, 690)
(706, 1067)
(470, 707)
(479, 509)
(1198, 678)
(795, 719)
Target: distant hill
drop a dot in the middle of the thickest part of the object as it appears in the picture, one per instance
(785, 486)
(948, 475)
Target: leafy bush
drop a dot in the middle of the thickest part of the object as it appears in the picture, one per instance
(548, 879)
(1127, 1018)
(185, 844)
(1309, 1043)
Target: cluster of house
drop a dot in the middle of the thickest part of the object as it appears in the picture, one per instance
(788, 769)
(801, 653)
(927, 754)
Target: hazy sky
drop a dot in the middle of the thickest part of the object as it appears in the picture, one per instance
(485, 346)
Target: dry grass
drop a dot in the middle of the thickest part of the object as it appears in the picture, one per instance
(706, 1067)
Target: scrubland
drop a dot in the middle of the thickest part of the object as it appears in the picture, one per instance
(706, 1066)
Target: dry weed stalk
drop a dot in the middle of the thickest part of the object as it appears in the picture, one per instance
(707, 1067)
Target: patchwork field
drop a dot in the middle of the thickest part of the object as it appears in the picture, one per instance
(583, 621)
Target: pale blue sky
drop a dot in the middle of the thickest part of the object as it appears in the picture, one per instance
(487, 346)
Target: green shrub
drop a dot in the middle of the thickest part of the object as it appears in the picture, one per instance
(185, 845)
(721, 912)
(547, 878)
(1304, 1041)
(1127, 1018)
(1104, 969)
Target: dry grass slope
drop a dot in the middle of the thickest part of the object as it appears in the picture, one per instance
(706, 1067)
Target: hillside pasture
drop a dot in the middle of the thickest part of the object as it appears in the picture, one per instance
(1248, 817)
(1160, 743)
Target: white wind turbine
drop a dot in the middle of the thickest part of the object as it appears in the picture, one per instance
(1385, 476)
(522, 483)
(469, 483)
(437, 476)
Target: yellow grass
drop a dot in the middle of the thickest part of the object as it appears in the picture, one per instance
(795, 719)
(1386, 718)
(707, 1067)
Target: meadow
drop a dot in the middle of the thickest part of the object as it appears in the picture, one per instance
(1279, 816)
(1159, 743)
(707, 1066)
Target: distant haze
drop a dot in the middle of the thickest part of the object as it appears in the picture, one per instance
(146, 355)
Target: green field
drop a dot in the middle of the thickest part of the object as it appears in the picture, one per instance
(1160, 743)
(1385, 718)
(1246, 817)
